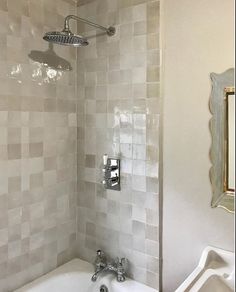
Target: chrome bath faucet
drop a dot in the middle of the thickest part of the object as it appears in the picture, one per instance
(101, 265)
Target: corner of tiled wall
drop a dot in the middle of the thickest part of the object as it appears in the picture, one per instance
(119, 114)
(38, 136)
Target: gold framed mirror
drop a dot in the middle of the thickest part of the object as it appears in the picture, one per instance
(229, 181)
(222, 125)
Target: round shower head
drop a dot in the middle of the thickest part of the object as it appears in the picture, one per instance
(66, 38)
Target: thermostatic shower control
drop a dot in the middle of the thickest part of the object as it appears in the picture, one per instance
(111, 173)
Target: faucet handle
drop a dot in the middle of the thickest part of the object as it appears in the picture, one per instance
(117, 261)
(100, 261)
(121, 269)
(121, 263)
(124, 263)
(100, 253)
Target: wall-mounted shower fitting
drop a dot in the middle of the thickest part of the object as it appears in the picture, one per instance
(111, 173)
(67, 38)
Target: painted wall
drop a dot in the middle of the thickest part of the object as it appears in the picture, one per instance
(118, 114)
(198, 39)
(37, 144)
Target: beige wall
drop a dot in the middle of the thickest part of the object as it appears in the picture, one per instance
(198, 39)
(37, 144)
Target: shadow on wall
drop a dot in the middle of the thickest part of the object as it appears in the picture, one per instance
(50, 59)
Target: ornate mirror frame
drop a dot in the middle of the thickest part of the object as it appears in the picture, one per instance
(221, 83)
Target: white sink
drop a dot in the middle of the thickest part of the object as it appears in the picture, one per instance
(215, 273)
(216, 284)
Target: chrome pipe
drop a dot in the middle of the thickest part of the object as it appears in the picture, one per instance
(110, 30)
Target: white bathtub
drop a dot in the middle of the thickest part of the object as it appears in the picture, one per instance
(75, 276)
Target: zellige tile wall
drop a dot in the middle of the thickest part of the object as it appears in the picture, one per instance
(38, 136)
(119, 114)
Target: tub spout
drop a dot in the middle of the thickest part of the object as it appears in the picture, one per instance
(96, 275)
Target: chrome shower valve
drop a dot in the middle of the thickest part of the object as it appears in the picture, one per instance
(111, 173)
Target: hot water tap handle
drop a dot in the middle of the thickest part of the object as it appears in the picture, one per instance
(100, 253)
(105, 159)
(100, 261)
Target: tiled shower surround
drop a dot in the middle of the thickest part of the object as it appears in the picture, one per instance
(119, 114)
(55, 126)
(37, 144)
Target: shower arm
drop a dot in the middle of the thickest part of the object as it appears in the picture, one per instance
(110, 30)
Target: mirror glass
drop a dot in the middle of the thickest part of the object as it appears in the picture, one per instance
(230, 140)
(222, 125)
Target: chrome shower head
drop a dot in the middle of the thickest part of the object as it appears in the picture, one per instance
(65, 38)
